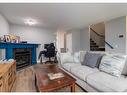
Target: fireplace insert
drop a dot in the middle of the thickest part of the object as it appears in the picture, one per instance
(22, 57)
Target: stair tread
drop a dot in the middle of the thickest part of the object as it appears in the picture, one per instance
(95, 47)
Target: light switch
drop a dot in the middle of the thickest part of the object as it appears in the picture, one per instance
(120, 36)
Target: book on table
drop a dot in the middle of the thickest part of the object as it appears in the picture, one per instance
(55, 75)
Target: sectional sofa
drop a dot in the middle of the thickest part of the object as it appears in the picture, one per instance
(93, 79)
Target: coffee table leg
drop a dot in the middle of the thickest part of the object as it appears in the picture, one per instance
(36, 84)
(35, 80)
(73, 87)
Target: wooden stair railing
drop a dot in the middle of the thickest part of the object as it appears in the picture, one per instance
(102, 36)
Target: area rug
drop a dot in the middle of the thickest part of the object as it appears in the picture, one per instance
(25, 81)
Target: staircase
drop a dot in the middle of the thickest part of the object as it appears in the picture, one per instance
(95, 47)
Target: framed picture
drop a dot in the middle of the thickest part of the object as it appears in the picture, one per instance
(17, 39)
(14, 39)
(7, 38)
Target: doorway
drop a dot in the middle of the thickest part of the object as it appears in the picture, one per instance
(69, 42)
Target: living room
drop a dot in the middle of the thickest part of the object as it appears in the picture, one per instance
(26, 28)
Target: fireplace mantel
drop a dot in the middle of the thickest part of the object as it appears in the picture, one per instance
(10, 46)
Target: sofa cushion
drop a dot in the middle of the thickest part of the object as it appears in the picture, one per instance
(83, 71)
(92, 59)
(68, 66)
(66, 57)
(113, 64)
(106, 82)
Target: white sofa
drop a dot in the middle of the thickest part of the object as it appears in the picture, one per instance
(92, 79)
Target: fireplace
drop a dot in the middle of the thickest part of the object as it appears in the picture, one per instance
(23, 57)
(12, 48)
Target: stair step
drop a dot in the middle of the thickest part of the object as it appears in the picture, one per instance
(97, 49)
(101, 49)
(94, 46)
(92, 43)
(94, 49)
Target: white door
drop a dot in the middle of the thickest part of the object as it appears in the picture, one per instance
(69, 42)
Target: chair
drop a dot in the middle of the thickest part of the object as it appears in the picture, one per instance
(40, 55)
(49, 53)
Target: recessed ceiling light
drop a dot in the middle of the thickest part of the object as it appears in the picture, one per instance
(30, 21)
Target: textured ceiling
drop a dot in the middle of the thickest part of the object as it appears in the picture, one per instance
(62, 15)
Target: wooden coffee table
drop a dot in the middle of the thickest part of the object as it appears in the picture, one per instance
(44, 84)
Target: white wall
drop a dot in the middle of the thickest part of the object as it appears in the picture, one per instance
(80, 39)
(126, 34)
(85, 39)
(60, 39)
(34, 35)
(75, 39)
(113, 29)
(69, 42)
(2, 54)
(4, 29)
(4, 26)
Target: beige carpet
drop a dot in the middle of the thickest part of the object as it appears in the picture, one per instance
(25, 81)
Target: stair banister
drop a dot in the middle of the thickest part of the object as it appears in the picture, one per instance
(102, 37)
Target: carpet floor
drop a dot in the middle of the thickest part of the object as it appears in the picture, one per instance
(25, 81)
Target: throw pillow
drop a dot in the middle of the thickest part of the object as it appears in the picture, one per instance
(113, 64)
(92, 59)
(82, 55)
(124, 72)
(76, 57)
(66, 57)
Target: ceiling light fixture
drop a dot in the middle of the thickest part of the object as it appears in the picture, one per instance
(30, 21)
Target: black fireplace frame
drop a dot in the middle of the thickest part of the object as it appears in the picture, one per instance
(23, 57)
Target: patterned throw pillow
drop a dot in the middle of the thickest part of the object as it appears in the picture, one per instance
(113, 64)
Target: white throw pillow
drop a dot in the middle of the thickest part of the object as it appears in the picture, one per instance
(66, 57)
(82, 55)
(76, 57)
(113, 64)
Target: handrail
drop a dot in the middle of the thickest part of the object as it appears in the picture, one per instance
(102, 37)
(97, 33)
(109, 45)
